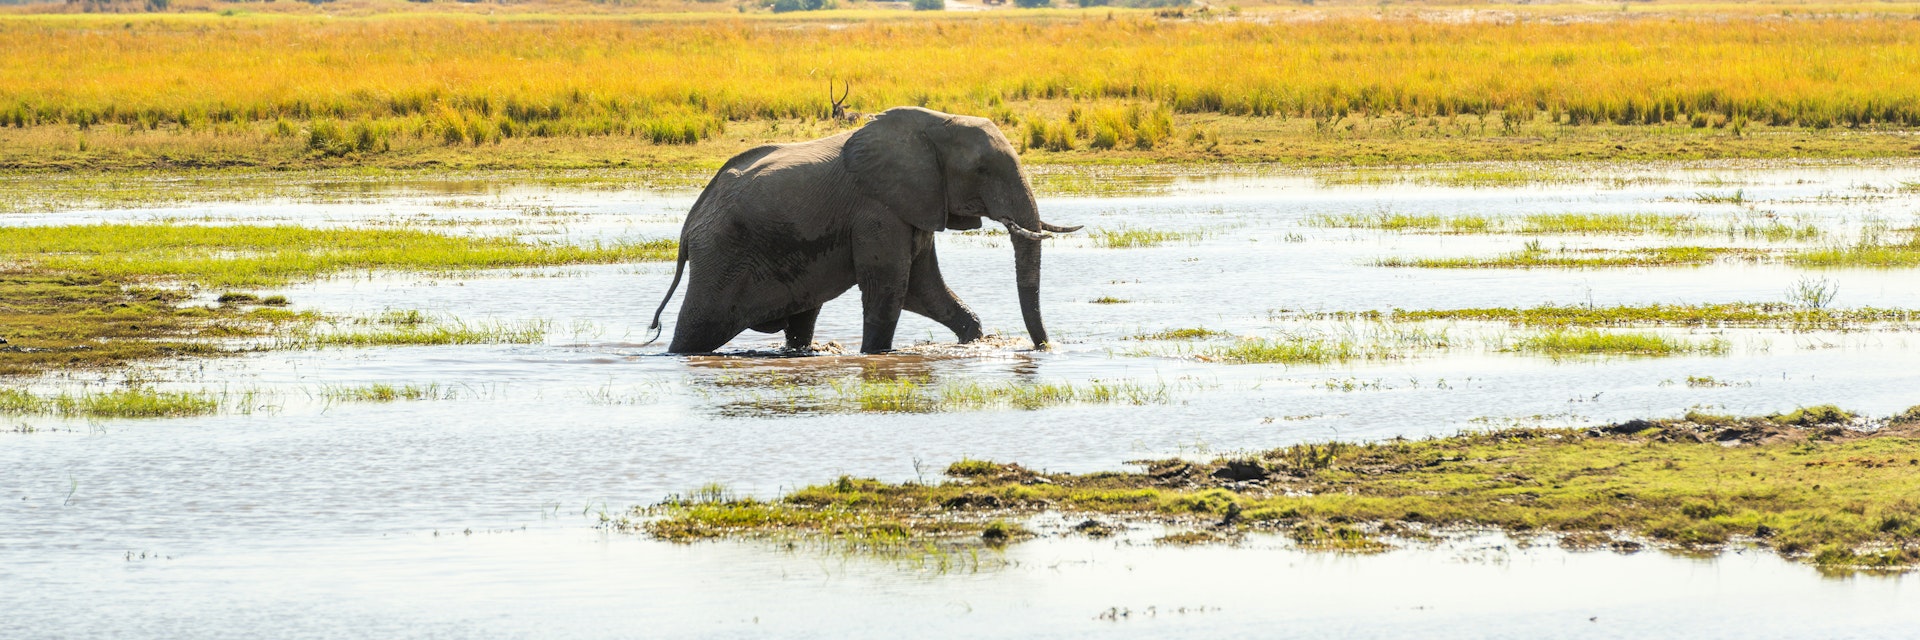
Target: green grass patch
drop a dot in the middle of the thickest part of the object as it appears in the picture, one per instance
(1808, 487)
(1561, 342)
(121, 403)
(1733, 314)
(84, 296)
(1194, 333)
(251, 255)
(1473, 176)
(1667, 225)
(449, 333)
(1287, 350)
(84, 321)
(1373, 343)
(382, 392)
(1139, 238)
(1868, 255)
(1532, 258)
(1390, 221)
(1612, 223)
(1738, 196)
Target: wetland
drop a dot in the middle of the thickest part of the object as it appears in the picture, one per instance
(445, 385)
(330, 318)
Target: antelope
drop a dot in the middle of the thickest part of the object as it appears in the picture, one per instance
(840, 111)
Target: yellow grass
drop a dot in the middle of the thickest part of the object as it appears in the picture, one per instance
(358, 85)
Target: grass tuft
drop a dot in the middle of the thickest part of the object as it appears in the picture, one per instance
(1139, 238)
(122, 403)
(1382, 342)
(382, 392)
(1559, 342)
(1195, 333)
(454, 332)
(1871, 252)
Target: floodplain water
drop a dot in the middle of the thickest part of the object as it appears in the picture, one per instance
(301, 515)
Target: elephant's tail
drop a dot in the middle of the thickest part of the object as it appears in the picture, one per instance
(679, 266)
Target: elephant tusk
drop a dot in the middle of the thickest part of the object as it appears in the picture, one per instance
(1047, 226)
(1017, 230)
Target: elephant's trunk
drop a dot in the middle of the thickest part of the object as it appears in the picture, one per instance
(1026, 266)
(1021, 215)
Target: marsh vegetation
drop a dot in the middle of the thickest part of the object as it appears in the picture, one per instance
(1558, 342)
(108, 294)
(1138, 238)
(137, 402)
(1374, 342)
(1667, 225)
(1403, 335)
(383, 392)
(1535, 256)
(1779, 315)
(1818, 485)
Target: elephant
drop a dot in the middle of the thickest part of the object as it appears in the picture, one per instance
(781, 229)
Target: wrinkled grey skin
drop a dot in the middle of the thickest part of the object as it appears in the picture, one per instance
(784, 228)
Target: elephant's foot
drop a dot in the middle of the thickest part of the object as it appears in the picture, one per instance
(799, 329)
(701, 338)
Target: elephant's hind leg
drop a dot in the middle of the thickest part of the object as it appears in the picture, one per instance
(701, 338)
(701, 328)
(928, 295)
(800, 329)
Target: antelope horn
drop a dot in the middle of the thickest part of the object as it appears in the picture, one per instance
(1017, 230)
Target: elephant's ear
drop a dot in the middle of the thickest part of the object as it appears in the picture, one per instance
(894, 161)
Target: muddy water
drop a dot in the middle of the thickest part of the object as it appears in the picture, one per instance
(303, 516)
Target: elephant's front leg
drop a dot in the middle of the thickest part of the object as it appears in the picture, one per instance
(881, 269)
(928, 295)
(880, 300)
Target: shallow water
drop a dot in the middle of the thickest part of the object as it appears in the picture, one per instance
(305, 516)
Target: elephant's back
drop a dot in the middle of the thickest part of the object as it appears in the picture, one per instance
(772, 212)
(801, 186)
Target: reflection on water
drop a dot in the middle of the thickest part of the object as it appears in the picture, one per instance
(311, 515)
(576, 582)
